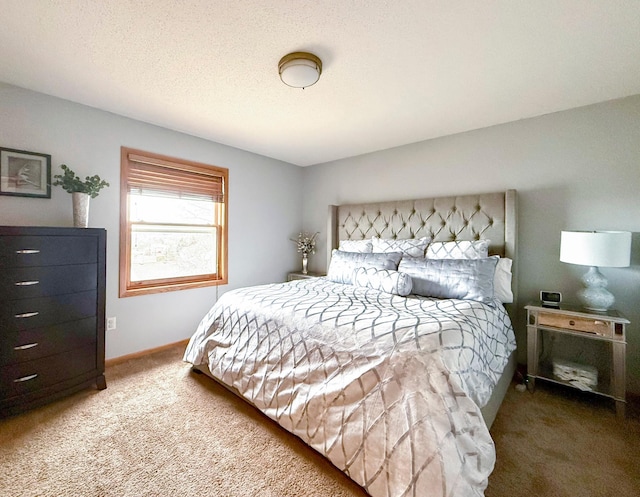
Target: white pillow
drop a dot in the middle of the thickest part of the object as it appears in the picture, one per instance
(464, 249)
(362, 246)
(469, 279)
(502, 281)
(343, 264)
(385, 280)
(413, 247)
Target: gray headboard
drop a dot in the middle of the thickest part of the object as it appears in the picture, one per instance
(490, 216)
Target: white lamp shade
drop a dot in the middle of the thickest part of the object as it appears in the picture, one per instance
(596, 248)
(300, 69)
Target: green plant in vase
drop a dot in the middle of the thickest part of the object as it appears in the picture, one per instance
(81, 191)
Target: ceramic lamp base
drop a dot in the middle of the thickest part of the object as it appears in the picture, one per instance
(595, 296)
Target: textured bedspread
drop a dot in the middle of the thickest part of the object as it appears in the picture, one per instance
(388, 388)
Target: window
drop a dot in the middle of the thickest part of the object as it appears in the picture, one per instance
(173, 224)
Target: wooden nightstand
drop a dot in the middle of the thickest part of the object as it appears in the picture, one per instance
(297, 275)
(605, 331)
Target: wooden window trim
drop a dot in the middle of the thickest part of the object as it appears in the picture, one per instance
(127, 289)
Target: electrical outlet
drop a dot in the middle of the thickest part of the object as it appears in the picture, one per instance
(111, 323)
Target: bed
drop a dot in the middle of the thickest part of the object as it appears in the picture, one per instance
(393, 366)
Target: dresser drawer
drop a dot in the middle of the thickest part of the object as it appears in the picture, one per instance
(21, 251)
(28, 345)
(26, 377)
(45, 311)
(588, 325)
(41, 281)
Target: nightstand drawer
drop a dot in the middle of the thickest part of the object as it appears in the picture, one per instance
(597, 326)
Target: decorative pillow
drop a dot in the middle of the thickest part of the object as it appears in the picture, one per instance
(413, 247)
(343, 263)
(385, 280)
(463, 249)
(361, 246)
(469, 279)
(502, 281)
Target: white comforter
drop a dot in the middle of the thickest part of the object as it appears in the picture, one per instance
(388, 388)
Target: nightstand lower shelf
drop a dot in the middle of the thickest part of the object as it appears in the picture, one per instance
(545, 373)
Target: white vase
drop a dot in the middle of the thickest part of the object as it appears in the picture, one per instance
(80, 209)
(304, 263)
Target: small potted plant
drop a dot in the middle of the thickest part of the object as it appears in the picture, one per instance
(81, 192)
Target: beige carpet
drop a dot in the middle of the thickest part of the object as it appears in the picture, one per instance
(160, 430)
(562, 442)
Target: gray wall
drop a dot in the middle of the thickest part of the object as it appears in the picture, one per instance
(264, 206)
(578, 169)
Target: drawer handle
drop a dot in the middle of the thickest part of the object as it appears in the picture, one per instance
(27, 314)
(572, 322)
(26, 346)
(26, 283)
(25, 378)
(27, 251)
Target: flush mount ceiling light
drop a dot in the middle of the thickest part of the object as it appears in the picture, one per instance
(300, 69)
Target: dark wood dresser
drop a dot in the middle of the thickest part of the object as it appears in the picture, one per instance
(52, 314)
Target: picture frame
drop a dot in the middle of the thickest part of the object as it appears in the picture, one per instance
(25, 174)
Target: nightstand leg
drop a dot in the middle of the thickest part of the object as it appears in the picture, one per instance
(532, 356)
(531, 383)
(619, 380)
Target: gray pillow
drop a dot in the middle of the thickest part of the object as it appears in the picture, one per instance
(464, 249)
(343, 264)
(363, 246)
(414, 247)
(385, 280)
(469, 279)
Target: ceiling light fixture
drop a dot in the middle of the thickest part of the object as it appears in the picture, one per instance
(300, 69)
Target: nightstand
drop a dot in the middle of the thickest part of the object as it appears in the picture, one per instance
(605, 331)
(297, 275)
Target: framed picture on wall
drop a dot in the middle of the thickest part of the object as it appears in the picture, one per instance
(25, 174)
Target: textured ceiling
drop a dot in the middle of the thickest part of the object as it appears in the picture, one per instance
(394, 72)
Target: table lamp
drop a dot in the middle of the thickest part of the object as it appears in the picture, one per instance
(596, 249)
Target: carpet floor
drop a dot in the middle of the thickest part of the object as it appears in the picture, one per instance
(161, 430)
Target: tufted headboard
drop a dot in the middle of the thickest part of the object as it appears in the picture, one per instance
(466, 217)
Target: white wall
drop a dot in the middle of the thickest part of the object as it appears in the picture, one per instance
(264, 206)
(578, 169)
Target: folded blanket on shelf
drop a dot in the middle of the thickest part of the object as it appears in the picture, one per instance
(579, 375)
